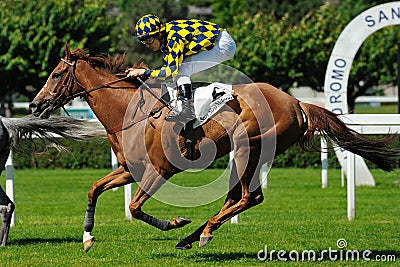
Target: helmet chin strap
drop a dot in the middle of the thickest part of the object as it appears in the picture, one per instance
(162, 38)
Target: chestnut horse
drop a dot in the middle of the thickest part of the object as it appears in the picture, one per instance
(259, 123)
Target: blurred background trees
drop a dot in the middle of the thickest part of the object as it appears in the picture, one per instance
(284, 43)
(33, 34)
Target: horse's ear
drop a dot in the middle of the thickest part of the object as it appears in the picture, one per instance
(67, 50)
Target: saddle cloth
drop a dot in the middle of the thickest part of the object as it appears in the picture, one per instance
(209, 99)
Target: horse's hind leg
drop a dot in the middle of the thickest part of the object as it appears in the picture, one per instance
(251, 193)
(6, 211)
(233, 197)
(6, 205)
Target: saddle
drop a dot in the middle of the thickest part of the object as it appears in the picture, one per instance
(207, 101)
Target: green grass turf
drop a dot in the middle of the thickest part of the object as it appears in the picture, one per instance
(297, 214)
(383, 109)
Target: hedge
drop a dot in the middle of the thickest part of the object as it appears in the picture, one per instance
(92, 154)
(97, 154)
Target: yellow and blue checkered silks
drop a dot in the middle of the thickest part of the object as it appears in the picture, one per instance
(184, 38)
(148, 25)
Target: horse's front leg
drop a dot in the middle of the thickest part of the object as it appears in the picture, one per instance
(119, 177)
(6, 211)
(151, 181)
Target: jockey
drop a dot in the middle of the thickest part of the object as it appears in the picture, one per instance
(188, 46)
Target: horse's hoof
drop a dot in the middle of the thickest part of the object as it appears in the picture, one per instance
(180, 221)
(204, 240)
(88, 244)
(183, 245)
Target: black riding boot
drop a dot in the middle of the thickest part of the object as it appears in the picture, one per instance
(187, 113)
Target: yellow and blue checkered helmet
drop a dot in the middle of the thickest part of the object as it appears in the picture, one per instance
(148, 25)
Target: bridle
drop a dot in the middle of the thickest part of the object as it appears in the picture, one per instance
(67, 85)
(70, 80)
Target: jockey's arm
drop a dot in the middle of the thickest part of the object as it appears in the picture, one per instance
(173, 58)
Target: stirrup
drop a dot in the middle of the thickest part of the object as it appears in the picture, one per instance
(173, 115)
(182, 117)
(187, 113)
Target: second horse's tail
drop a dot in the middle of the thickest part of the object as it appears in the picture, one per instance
(328, 125)
(46, 130)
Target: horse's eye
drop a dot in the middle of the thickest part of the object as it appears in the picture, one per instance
(56, 75)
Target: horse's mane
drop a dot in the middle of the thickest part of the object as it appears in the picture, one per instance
(106, 61)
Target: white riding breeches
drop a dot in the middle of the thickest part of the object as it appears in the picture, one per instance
(223, 50)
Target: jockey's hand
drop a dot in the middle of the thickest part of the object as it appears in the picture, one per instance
(131, 72)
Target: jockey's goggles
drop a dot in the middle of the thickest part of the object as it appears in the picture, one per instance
(149, 40)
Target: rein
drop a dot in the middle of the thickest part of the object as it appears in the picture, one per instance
(72, 77)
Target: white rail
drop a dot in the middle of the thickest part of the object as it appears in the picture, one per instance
(365, 124)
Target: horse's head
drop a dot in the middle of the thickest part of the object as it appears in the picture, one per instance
(60, 87)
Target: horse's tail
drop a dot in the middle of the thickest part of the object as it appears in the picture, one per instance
(329, 126)
(31, 128)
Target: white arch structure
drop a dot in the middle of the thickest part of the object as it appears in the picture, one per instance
(338, 70)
